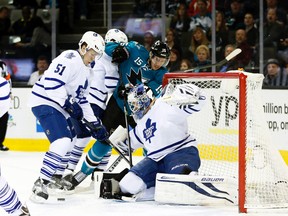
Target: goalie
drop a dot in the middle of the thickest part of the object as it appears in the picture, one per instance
(162, 130)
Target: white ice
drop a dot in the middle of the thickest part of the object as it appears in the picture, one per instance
(21, 169)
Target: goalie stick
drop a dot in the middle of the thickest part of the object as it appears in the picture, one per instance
(91, 127)
(224, 61)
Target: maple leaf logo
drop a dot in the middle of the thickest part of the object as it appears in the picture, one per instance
(148, 133)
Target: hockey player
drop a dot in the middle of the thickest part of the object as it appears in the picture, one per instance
(4, 118)
(61, 94)
(136, 65)
(9, 200)
(162, 130)
(104, 82)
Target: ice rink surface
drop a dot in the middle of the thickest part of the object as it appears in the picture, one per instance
(21, 169)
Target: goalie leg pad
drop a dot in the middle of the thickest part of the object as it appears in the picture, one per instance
(196, 190)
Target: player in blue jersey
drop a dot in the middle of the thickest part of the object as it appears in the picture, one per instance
(9, 199)
(136, 65)
(61, 94)
(162, 130)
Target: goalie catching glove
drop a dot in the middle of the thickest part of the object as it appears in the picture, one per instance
(182, 94)
(120, 54)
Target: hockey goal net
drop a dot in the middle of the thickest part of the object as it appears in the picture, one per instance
(233, 137)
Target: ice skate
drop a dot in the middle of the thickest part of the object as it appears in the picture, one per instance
(24, 211)
(39, 191)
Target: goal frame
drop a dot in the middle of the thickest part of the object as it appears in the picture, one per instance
(242, 124)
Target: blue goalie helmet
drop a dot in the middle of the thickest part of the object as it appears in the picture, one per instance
(138, 101)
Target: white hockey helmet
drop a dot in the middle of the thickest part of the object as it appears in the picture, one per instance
(3, 69)
(94, 41)
(116, 35)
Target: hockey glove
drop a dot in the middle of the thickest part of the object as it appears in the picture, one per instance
(73, 109)
(123, 91)
(120, 54)
(98, 131)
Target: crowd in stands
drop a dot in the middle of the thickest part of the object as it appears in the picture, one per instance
(189, 31)
(189, 35)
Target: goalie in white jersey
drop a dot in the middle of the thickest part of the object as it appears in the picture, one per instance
(162, 129)
(59, 95)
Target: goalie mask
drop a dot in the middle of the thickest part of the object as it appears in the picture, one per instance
(138, 101)
(116, 35)
(93, 41)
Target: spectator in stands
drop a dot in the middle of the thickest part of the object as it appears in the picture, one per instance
(202, 18)
(185, 64)
(221, 34)
(283, 48)
(275, 75)
(198, 38)
(252, 33)
(42, 66)
(203, 58)
(25, 26)
(180, 22)
(244, 58)
(235, 16)
(174, 61)
(272, 29)
(193, 7)
(172, 41)
(280, 11)
(5, 21)
(149, 39)
(232, 64)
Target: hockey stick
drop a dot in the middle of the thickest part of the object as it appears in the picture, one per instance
(91, 127)
(224, 61)
(115, 163)
(128, 137)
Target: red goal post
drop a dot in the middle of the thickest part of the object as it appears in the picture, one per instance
(233, 138)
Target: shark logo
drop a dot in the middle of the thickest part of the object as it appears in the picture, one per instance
(148, 133)
(135, 78)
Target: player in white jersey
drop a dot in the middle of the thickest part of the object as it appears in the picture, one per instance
(9, 200)
(162, 130)
(61, 94)
(105, 80)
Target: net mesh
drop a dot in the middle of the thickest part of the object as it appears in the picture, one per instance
(216, 128)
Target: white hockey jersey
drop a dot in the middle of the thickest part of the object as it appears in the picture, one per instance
(4, 96)
(66, 76)
(106, 77)
(164, 129)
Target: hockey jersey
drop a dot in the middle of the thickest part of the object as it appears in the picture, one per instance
(105, 80)
(4, 96)
(164, 129)
(67, 75)
(136, 70)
